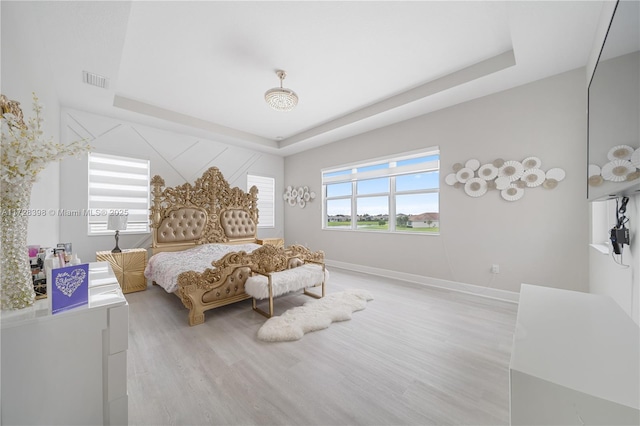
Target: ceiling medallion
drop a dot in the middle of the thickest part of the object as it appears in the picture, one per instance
(280, 98)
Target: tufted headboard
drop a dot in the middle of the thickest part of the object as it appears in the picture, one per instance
(209, 211)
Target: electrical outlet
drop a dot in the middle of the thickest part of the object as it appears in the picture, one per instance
(495, 269)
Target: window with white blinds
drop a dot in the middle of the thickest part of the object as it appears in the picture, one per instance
(118, 186)
(266, 199)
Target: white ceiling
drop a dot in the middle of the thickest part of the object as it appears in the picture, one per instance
(204, 66)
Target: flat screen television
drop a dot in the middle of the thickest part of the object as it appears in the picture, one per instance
(613, 152)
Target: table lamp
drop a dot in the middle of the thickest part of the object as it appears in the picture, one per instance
(117, 223)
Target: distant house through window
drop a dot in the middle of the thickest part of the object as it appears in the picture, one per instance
(424, 220)
(266, 199)
(394, 194)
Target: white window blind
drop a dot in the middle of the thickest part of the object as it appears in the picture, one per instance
(266, 199)
(118, 185)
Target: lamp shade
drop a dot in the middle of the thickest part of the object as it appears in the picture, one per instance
(117, 223)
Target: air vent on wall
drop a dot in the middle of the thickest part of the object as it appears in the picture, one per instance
(95, 79)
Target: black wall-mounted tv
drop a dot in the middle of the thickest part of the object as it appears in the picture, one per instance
(613, 152)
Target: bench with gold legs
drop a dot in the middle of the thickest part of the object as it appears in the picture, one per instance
(283, 271)
(270, 285)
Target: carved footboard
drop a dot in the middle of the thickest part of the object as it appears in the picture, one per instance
(224, 282)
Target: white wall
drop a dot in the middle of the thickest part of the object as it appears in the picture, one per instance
(539, 239)
(176, 157)
(24, 71)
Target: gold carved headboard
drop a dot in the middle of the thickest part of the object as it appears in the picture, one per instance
(209, 211)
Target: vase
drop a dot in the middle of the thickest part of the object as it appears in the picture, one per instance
(17, 285)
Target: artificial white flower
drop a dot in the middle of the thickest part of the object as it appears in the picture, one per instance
(25, 152)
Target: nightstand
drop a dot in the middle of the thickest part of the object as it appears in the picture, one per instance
(128, 267)
(278, 242)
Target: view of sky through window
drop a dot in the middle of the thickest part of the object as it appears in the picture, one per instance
(400, 194)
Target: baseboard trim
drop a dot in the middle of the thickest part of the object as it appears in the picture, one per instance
(491, 293)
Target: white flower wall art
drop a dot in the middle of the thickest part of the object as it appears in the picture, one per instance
(298, 196)
(623, 166)
(511, 178)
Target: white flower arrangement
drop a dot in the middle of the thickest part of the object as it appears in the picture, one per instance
(25, 151)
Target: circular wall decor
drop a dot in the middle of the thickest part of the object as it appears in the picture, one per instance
(472, 164)
(617, 170)
(299, 196)
(451, 179)
(510, 177)
(464, 174)
(633, 176)
(502, 182)
(623, 166)
(533, 177)
(513, 193)
(475, 187)
(620, 152)
(488, 172)
(511, 169)
(556, 174)
(549, 183)
(596, 180)
(531, 163)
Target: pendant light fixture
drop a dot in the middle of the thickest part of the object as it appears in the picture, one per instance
(280, 98)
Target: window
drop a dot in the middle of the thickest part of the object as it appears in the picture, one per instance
(399, 194)
(118, 185)
(266, 199)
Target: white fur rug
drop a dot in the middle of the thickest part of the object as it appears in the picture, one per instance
(314, 315)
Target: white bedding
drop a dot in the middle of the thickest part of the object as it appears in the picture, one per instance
(164, 268)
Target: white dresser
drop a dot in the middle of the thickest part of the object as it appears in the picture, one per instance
(575, 360)
(69, 368)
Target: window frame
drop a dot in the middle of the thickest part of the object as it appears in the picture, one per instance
(261, 204)
(98, 214)
(354, 173)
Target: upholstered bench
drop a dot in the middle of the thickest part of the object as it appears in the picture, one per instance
(269, 285)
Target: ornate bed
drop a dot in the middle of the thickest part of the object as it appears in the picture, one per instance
(210, 222)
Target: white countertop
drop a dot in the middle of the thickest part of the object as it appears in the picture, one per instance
(104, 290)
(578, 340)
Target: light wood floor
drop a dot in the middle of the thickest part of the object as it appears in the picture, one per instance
(415, 356)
